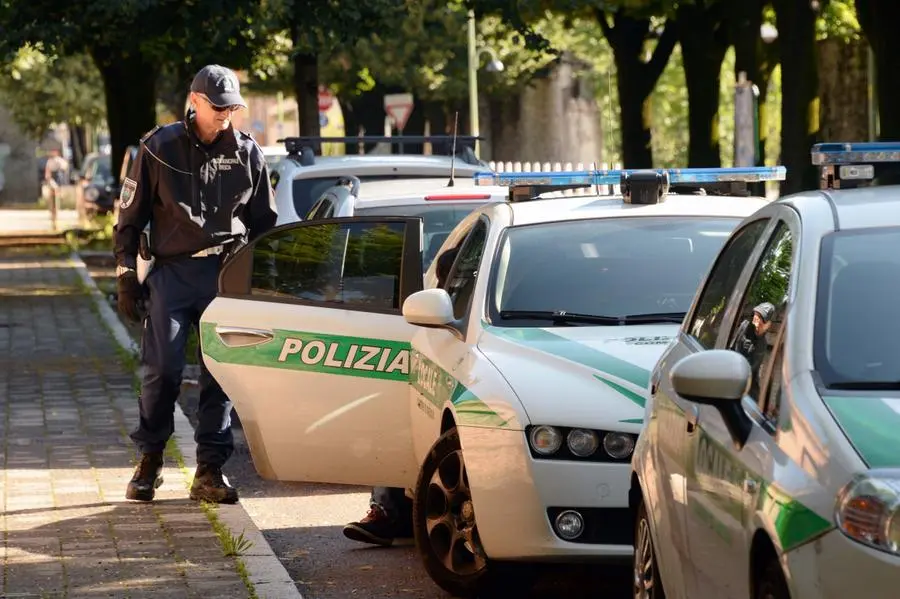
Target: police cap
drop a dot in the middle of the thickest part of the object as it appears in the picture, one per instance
(219, 84)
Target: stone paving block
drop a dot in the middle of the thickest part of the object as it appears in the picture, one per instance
(67, 405)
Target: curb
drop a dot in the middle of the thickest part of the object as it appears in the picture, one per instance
(269, 577)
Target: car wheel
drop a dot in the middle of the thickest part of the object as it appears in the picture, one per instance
(647, 583)
(444, 521)
(772, 585)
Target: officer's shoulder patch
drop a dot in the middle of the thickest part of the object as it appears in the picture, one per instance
(129, 187)
(149, 133)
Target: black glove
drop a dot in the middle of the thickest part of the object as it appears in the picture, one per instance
(130, 296)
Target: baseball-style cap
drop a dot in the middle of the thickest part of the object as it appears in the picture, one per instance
(765, 311)
(219, 84)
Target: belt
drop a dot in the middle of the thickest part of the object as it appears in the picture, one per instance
(213, 251)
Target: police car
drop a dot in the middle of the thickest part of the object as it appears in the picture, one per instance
(770, 463)
(300, 178)
(511, 398)
(441, 203)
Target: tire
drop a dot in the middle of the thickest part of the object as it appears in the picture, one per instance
(647, 582)
(444, 524)
(772, 585)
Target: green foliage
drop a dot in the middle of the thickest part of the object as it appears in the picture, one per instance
(41, 89)
(838, 19)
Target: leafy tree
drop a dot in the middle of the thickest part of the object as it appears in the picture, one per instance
(129, 41)
(878, 19)
(319, 27)
(41, 90)
(800, 99)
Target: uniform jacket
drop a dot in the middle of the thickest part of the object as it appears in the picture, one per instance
(194, 196)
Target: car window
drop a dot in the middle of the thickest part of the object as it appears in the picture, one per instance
(463, 275)
(720, 283)
(438, 221)
(354, 264)
(307, 190)
(856, 343)
(625, 267)
(761, 315)
(770, 403)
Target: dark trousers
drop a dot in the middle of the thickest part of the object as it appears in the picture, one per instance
(393, 501)
(179, 293)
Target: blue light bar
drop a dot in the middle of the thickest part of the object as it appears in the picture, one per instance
(677, 176)
(854, 153)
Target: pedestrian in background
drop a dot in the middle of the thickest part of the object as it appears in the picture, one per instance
(203, 187)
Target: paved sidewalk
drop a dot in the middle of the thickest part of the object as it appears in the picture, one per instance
(66, 406)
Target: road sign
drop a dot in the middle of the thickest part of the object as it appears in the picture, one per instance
(398, 107)
(326, 98)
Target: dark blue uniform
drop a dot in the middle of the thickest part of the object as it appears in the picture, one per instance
(200, 201)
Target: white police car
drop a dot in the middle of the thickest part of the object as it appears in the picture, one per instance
(510, 399)
(440, 205)
(300, 178)
(770, 463)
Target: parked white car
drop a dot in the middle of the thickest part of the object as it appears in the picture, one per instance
(301, 177)
(770, 464)
(509, 400)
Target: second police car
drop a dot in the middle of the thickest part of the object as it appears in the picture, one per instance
(511, 398)
(770, 464)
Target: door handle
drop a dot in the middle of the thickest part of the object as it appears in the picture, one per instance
(243, 336)
(693, 418)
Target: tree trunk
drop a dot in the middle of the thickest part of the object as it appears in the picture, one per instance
(744, 20)
(703, 40)
(844, 90)
(129, 84)
(306, 89)
(878, 19)
(79, 146)
(635, 80)
(173, 87)
(800, 95)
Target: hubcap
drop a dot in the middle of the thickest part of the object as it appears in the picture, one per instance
(644, 567)
(450, 518)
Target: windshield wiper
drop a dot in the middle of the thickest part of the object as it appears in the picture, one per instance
(560, 317)
(866, 386)
(656, 317)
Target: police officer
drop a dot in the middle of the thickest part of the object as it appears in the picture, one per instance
(390, 510)
(203, 188)
(751, 342)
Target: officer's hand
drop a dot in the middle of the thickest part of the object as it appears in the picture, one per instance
(129, 295)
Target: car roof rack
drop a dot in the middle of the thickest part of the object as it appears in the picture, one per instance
(847, 165)
(305, 148)
(639, 186)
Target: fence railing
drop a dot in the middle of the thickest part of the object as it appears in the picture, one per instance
(532, 166)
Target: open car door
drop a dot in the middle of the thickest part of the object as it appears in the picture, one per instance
(307, 338)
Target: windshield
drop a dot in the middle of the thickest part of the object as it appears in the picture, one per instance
(306, 191)
(622, 270)
(857, 331)
(438, 221)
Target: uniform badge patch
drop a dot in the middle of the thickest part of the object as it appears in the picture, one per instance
(129, 186)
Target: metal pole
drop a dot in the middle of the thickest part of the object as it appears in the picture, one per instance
(473, 80)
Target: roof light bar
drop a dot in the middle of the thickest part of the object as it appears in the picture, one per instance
(676, 176)
(855, 152)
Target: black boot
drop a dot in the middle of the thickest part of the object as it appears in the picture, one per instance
(210, 485)
(147, 478)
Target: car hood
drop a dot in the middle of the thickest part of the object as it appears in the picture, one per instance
(872, 425)
(595, 377)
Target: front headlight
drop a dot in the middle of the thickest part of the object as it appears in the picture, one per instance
(868, 510)
(545, 440)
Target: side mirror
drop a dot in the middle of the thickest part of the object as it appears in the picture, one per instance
(719, 378)
(429, 308)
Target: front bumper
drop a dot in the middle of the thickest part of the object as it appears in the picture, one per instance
(836, 567)
(515, 497)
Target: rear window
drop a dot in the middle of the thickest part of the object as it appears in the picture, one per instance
(307, 191)
(438, 221)
(610, 268)
(856, 343)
